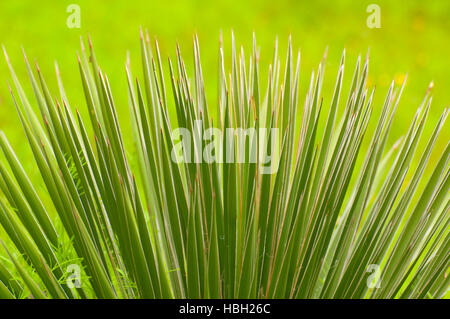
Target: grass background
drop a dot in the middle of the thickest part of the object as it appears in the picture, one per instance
(414, 38)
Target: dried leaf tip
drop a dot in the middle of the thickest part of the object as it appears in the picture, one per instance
(37, 67)
(82, 44)
(89, 41)
(430, 86)
(367, 54)
(325, 54)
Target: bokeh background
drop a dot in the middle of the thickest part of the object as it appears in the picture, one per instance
(414, 38)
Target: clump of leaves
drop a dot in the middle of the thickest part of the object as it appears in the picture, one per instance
(222, 229)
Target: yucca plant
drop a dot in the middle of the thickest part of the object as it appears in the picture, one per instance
(302, 220)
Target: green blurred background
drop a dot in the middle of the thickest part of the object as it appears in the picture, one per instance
(414, 38)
